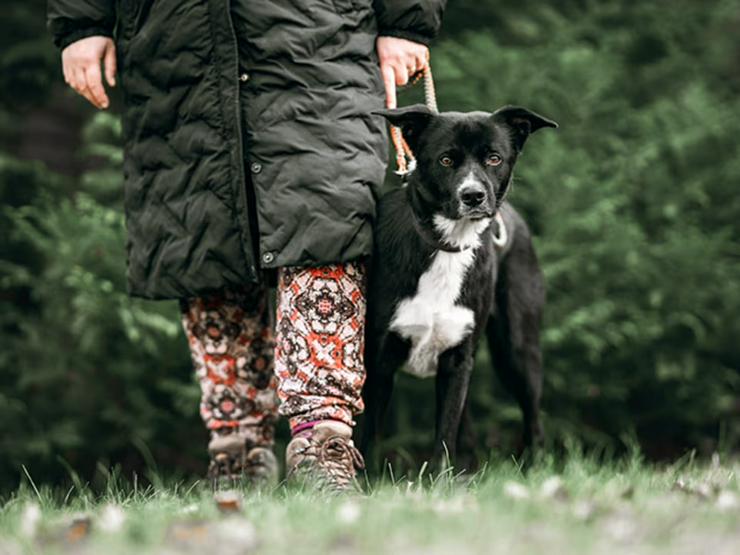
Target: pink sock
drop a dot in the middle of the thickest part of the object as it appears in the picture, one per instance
(306, 426)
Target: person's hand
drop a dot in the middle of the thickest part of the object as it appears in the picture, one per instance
(81, 62)
(399, 60)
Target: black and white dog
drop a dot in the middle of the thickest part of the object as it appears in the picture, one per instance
(433, 276)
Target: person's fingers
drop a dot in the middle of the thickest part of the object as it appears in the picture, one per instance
(400, 61)
(110, 64)
(417, 59)
(402, 74)
(412, 66)
(79, 83)
(422, 60)
(389, 80)
(82, 87)
(95, 85)
(65, 72)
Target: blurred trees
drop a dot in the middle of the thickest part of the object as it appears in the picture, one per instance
(87, 376)
(631, 201)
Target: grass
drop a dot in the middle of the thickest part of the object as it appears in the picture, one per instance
(580, 506)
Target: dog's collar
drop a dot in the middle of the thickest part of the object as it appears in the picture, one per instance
(429, 238)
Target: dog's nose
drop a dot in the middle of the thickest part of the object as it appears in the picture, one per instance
(472, 196)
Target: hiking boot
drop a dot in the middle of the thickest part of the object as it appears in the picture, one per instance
(233, 461)
(325, 458)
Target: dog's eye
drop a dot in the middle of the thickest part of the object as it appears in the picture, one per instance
(493, 160)
(446, 161)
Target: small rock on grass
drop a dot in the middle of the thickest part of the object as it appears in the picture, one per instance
(728, 501)
(554, 488)
(111, 519)
(30, 518)
(349, 512)
(515, 490)
(584, 510)
(189, 509)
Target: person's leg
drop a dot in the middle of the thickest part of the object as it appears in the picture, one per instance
(232, 346)
(320, 367)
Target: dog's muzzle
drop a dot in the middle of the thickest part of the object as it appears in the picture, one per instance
(474, 202)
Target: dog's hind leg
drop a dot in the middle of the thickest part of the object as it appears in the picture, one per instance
(514, 331)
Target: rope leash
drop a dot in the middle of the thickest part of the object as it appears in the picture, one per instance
(404, 156)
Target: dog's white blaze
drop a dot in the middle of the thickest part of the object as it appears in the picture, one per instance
(431, 319)
(469, 180)
(460, 233)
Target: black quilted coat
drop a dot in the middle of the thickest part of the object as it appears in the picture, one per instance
(249, 142)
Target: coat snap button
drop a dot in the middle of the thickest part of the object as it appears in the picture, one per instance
(268, 257)
(256, 167)
(244, 77)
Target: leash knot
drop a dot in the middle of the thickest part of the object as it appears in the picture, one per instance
(405, 160)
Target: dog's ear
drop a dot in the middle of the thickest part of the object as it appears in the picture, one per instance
(411, 119)
(522, 122)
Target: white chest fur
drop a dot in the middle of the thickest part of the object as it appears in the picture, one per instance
(431, 319)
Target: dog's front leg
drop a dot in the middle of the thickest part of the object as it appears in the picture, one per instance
(453, 379)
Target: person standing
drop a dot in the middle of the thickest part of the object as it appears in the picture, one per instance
(251, 158)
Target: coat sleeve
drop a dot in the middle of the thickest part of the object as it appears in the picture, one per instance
(415, 20)
(72, 20)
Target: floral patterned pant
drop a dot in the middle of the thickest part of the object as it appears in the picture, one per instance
(312, 363)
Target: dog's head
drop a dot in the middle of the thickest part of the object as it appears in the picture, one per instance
(464, 161)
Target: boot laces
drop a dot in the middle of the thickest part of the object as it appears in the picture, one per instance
(339, 459)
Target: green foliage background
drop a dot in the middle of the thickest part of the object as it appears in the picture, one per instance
(632, 202)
